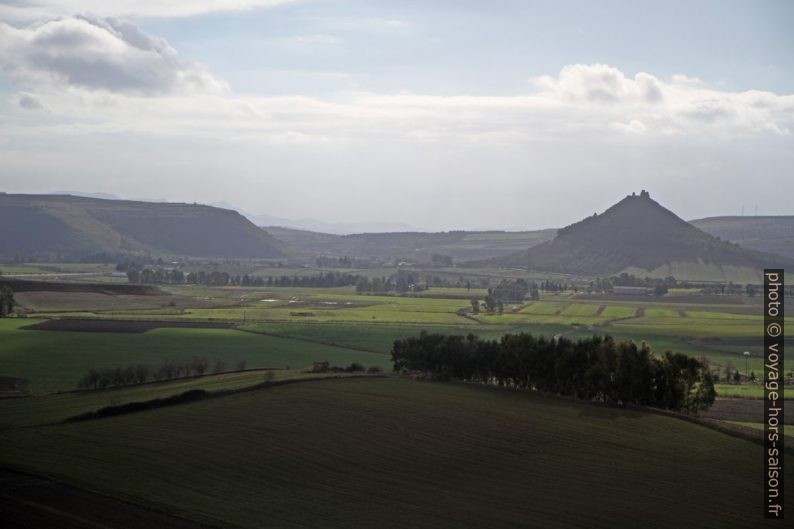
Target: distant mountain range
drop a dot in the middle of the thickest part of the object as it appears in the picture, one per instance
(263, 219)
(765, 234)
(411, 246)
(69, 227)
(320, 226)
(637, 235)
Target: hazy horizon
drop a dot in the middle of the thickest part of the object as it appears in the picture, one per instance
(454, 115)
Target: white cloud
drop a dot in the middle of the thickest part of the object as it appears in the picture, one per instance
(106, 66)
(39, 9)
(601, 83)
(98, 54)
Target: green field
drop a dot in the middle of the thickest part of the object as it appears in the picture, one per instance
(306, 322)
(755, 391)
(753, 425)
(55, 360)
(380, 452)
(392, 453)
(379, 337)
(57, 407)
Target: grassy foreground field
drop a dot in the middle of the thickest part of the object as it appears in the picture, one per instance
(394, 453)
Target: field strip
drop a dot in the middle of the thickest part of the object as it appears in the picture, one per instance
(607, 323)
(720, 425)
(195, 395)
(463, 314)
(734, 430)
(309, 340)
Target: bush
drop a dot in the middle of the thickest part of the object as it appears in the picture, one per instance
(131, 407)
(220, 366)
(355, 367)
(140, 374)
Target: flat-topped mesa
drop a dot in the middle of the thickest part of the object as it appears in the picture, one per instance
(70, 227)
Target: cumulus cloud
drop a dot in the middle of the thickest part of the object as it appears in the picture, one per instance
(601, 83)
(98, 54)
(583, 133)
(583, 102)
(37, 9)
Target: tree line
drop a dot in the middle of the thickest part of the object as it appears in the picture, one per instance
(140, 374)
(402, 282)
(551, 286)
(596, 369)
(217, 278)
(507, 291)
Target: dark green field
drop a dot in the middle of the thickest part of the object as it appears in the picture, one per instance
(399, 453)
(55, 360)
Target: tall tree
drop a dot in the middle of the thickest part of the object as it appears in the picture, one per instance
(6, 300)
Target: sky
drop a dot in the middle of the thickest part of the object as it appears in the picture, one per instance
(439, 114)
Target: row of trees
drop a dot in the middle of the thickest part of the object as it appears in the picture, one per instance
(404, 281)
(514, 291)
(606, 284)
(151, 276)
(490, 305)
(507, 291)
(140, 374)
(217, 278)
(660, 287)
(597, 368)
(6, 300)
(551, 286)
(324, 261)
(321, 280)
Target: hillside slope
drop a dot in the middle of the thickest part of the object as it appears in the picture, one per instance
(773, 234)
(391, 454)
(638, 235)
(411, 246)
(69, 227)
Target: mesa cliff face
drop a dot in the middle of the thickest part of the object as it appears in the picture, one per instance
(66, 226)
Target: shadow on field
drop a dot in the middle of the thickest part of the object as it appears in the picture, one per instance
(28, 501)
